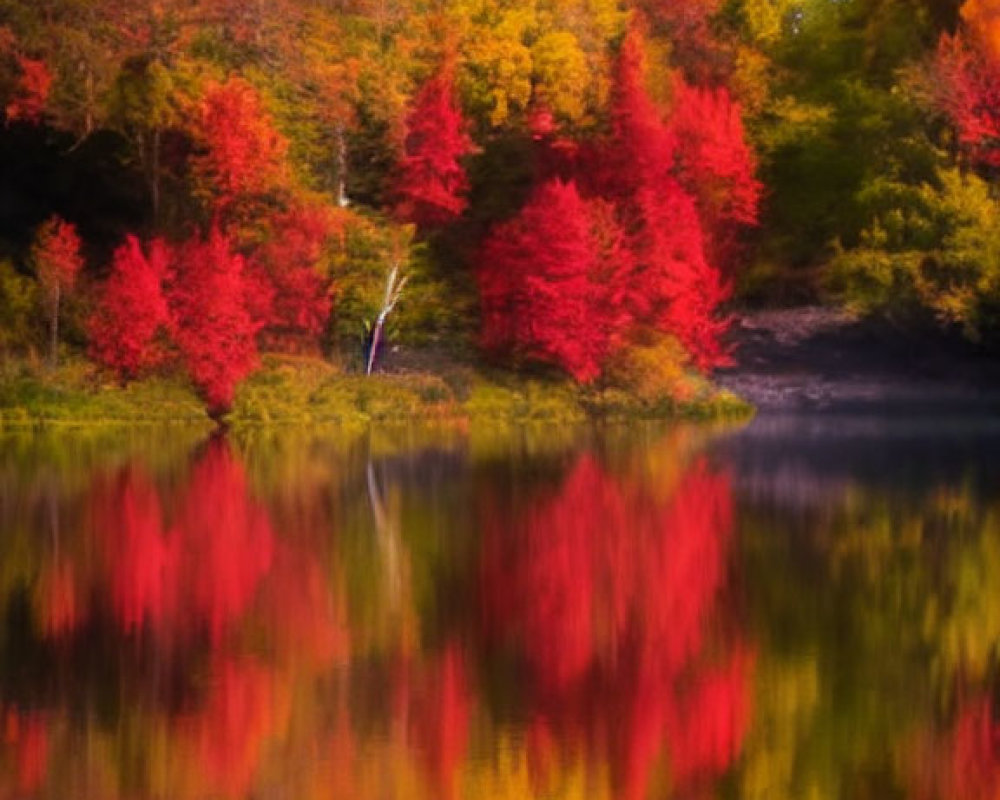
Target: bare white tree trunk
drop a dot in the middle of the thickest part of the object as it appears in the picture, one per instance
(393, 290)
(342, 200)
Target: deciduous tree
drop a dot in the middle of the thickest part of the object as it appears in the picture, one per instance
(243, 157)
(208, 302)
(431, 182)
(544, 282)
(715, 164)
(132, 310)
(33, 86)
(57, 260)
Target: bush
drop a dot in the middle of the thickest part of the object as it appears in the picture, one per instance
(932, 249)
(654, 367)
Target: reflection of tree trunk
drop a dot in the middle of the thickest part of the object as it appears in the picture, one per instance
(54, 521)
(54, 328)
(387, 536)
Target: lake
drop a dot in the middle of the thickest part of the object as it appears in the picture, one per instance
(804, 606)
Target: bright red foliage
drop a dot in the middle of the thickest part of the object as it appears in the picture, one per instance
(244, 156)
(641, 150)
(34, 85)
(549, 279)
(208, 300)
(132, 309)
(673, 287)
(431, 181)
(715, 164)
(966, 84)
(298, 296)
(56, 255)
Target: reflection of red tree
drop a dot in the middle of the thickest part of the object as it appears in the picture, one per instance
(57, 598)
(975, 755)
(27, 735)
(441, 719)
(205, 571)
(303, 617)
(608, 591)
(225, 541)
(142, 561)
(229, 732)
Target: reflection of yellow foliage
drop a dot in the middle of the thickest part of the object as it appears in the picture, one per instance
(508, 776)
(870, 533)
(967, 629)
(786, 698)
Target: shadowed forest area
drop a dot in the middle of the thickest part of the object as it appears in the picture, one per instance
(573, 190)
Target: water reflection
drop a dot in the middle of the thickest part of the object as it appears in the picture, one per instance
(628, 613)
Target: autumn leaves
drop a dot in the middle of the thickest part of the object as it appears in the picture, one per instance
(632, 216)
(629, 233)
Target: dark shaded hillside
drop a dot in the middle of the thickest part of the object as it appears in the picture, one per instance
(818, 358)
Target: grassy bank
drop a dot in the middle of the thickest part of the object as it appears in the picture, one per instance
(306, 391)
(77, 395)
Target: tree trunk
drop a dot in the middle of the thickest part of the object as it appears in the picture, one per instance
(154, 175)
(54, 330)
(342, 199)
(373, 349)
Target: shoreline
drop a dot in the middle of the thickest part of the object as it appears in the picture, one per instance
(304, 392)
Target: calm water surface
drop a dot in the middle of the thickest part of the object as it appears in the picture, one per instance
(799, 608)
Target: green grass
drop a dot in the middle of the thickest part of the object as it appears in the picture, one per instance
(76, 394)
(305, 392)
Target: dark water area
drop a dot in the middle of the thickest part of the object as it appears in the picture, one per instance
(806, 606)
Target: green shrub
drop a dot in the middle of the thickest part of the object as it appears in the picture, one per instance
(929, 250)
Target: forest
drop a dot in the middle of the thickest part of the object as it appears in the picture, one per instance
(581, 187)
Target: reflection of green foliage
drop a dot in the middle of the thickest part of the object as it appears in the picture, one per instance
(869, 612)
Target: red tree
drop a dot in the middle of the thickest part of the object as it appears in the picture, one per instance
(548, 282)
(965, 85)
(641, 149)
(715, 164)
(296, 296)
(431, 181)
(57, 260)
(32, 93)
(208, 301)
(132, 309)
(672, 286)
(244, 156)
